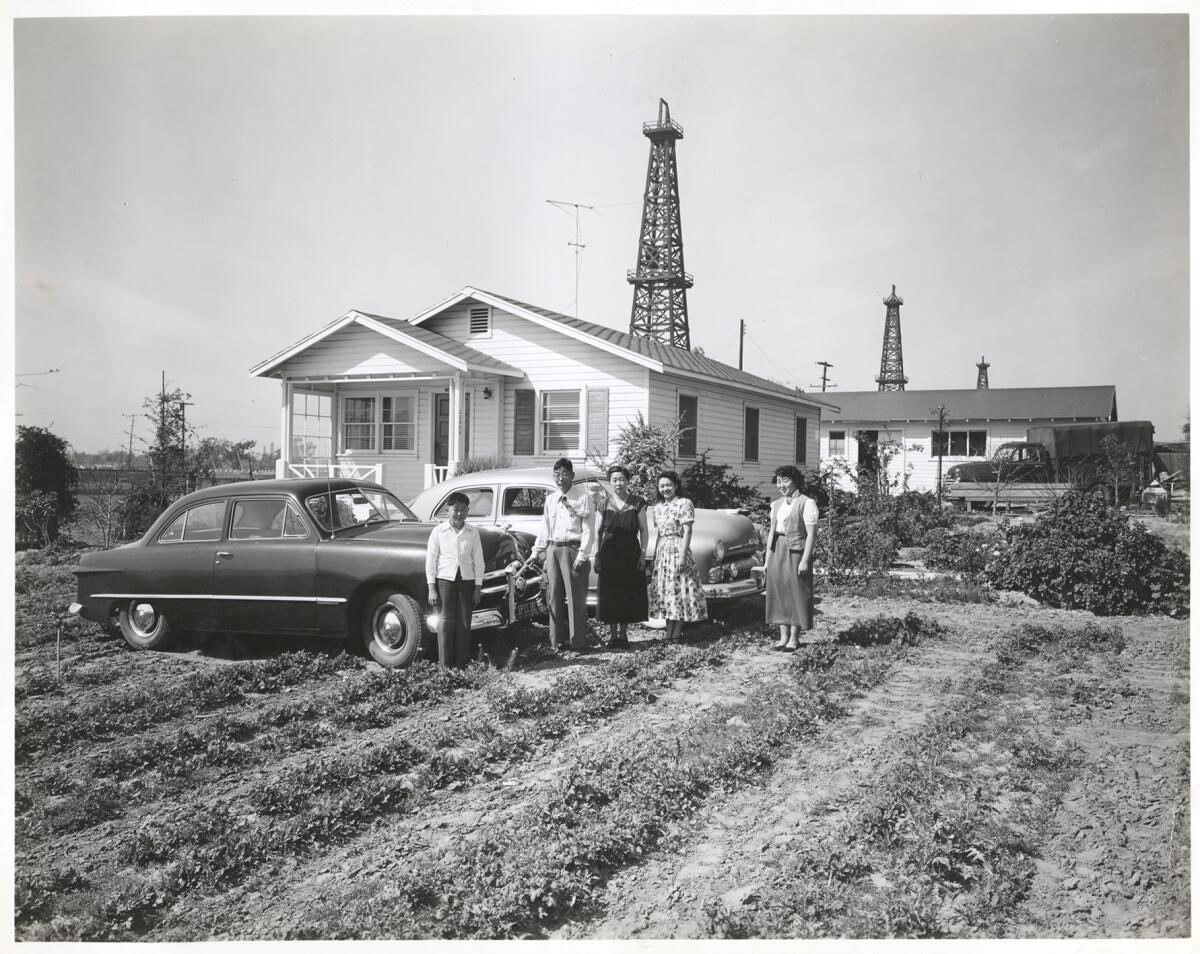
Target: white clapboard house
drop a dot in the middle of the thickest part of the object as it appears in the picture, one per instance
(483, 376)
(977, 421)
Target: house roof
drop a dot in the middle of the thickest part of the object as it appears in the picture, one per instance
(1009, 404)
(455, 353)
(646, 351)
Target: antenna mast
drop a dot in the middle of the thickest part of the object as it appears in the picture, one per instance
(578, 243)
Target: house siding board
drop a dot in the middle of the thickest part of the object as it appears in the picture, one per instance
(356, 350)
(551, 362)
(721, 414)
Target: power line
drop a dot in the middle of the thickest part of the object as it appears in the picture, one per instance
(754, 341)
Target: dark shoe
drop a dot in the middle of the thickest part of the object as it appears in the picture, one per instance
(790, 649)
(619, 644)
(778, 648)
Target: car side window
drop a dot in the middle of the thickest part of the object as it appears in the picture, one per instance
(266, 519)
(198, 524)
(524, 501)
(481, 503)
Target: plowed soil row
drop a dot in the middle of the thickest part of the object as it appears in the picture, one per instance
(1114, 857)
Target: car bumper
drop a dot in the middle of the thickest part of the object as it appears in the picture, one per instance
(753, 585)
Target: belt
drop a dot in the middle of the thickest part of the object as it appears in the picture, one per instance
(574, 542)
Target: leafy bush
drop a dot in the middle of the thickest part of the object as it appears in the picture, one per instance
(855, 548)
(1082, 554)
(963, 552)
(471, 465)
(715, 485)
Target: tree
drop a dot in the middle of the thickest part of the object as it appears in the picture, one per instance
(173, 467)
(45, 481)
(715, 485)
(104, 512)
(645, 450)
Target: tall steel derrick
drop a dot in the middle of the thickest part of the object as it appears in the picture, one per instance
(891, 364)
(659, 282)
(981, 381)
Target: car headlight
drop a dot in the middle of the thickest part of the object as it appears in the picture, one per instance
(719, 550)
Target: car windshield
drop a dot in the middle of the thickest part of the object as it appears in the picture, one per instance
(342, 509)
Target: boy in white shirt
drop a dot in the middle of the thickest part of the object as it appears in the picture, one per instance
(454, 573)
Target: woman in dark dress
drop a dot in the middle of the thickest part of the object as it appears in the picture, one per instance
(621, 558)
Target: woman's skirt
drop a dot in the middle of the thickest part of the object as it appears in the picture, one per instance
(620, 584)
(675, 590)
(789, 595)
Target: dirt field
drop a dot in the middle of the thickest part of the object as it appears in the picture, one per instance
(918, 769)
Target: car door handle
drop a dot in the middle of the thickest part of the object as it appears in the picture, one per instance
(224, 553)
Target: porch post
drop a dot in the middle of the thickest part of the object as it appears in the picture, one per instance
(499, 399)
(285, 450)
(456, 422)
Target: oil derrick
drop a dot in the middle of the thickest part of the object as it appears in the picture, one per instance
(891, 364)
(659, 282)
(981, 382)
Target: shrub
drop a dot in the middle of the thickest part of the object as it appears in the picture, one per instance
(1083, 554)
(963, 552)
(715, 485)
(470, 465)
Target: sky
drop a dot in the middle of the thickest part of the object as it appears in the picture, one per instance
(193, 194)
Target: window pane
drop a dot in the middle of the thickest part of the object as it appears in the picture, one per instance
(837, 443)
(257, 519)
(688, 421)
(801, 440)
(204, 522)
(358, 416)
(560, 421)
(397, 418)
(524, 501)
(480, 503)
(958, 443)
(939, 441)
(977, 444)
(173, 533)
(293, 523)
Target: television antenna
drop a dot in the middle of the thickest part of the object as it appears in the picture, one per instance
(578, 244)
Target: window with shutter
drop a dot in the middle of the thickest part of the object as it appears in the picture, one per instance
(560, 421)
(480, 320)
(523, 422)
(597, 421)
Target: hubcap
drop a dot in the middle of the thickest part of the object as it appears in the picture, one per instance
(144, 616)
(389, 628)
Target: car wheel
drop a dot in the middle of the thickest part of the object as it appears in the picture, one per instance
(144, 625)
(392, 629)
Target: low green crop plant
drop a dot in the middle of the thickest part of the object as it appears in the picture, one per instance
(1082, 554)
(34, 894)
(882, 629)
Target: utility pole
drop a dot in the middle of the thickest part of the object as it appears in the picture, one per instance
(183, 406)
(825, 366)
(941, 448)
(578, 243)
(129, 459)
(741, 341)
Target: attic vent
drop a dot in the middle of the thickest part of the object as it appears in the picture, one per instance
(481, 320)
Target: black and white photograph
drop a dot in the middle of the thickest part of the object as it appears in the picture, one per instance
(492, 471)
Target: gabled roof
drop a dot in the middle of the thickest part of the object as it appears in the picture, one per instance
(454, 353)
(647, 352)
(1098, 403)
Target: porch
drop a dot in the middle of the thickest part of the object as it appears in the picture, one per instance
(406, 433)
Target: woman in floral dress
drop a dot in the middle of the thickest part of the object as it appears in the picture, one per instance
(675, 591)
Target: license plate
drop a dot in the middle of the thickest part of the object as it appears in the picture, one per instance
(534, 607)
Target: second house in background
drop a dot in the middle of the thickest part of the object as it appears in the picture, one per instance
(480, 375)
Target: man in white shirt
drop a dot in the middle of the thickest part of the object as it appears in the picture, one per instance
(566, 540)
(454, 573)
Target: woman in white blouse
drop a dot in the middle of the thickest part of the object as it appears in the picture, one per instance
(789, 559)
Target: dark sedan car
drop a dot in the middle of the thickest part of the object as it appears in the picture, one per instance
(310, 557)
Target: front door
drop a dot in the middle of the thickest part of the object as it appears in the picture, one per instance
(441, 430)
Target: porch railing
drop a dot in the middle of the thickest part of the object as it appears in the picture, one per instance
(336, 468)
(436, 473)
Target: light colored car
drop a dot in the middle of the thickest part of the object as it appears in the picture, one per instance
(725, 545)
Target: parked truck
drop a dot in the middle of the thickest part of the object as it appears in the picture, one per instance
(1054, 458)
